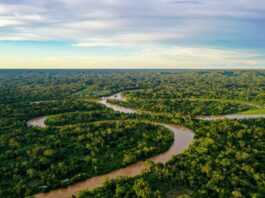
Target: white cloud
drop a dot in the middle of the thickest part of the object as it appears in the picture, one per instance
(20, 37)
(129, 40)
(9, 22)
(19, 20)
(149, 28)
(117, 17)
(92, 25)
(211, 53)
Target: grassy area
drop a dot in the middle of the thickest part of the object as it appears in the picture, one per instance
(253, 111)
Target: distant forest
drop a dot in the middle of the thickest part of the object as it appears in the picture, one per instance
(84, 138)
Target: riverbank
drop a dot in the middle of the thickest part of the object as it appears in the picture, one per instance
(183, 137)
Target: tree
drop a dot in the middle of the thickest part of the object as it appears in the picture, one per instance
(142, 189)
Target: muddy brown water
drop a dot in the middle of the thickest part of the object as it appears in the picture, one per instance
(232, 116)
(183, 137)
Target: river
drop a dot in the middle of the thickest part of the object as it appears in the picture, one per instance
(231, 117)
(183, 137)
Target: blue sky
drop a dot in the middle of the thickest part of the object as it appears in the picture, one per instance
(132, 34)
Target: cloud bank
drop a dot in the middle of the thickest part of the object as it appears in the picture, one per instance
(235, 28)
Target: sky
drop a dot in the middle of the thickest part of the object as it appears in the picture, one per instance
(185, 34)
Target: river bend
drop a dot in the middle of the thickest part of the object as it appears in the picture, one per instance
(183, 137)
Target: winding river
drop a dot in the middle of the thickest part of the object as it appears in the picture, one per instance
(183, 137)
(232, 116)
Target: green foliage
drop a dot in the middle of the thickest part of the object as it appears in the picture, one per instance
(43, 85)
(141, 187)
(24, 111)
(39, 85)
(33, 159)
(79, 117)
(254, 111)
(242, 86)
(225, 160)
(183, 106)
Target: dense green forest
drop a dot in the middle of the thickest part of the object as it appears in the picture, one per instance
(232, 85)
(38, 85)
(183, 106)
(36, 159)
(84, 138)
(225, 160)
